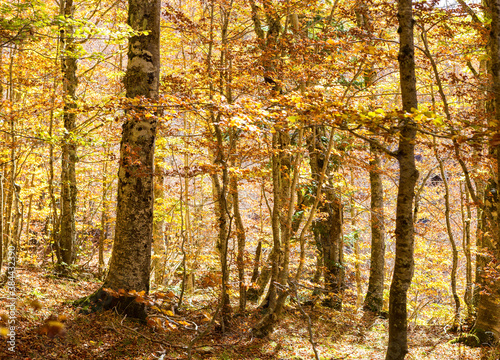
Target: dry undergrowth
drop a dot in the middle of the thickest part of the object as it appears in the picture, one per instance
(49, 327)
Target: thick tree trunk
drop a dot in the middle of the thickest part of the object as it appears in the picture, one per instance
(488, 310)
(131, 257)
(375, 295)
(67, 232)
(408, 174)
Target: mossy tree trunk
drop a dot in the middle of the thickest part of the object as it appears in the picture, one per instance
(130, 262)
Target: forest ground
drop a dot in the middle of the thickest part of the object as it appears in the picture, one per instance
(343, 335)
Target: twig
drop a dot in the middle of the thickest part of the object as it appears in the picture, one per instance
(147, 337)
(175, 322)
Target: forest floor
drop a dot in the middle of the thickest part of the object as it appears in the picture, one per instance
(41, 296)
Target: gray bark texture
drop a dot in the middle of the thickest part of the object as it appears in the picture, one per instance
(408, 175)
(375, 294)
(130, 262)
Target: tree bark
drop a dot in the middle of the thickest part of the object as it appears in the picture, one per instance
(408, 174)
(67, 232)
(327, 228)
(375, 295)
(466, 245)
(130, 262)
(327, 233)
(487, 325)
(159, 229)
(240, 235)
(453, 275)
(2, 198)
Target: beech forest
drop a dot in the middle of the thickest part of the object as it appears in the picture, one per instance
(250, 179)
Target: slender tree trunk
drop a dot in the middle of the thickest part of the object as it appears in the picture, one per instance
(480, 230)
(104, 213)
(449, 230)
(17, 218)
(240, 235)
(256, 262)
(11, 194)
(466, 245)
(30, 203)
(375, 295)
(130, 263)
(258, 252)
(67, 232)
(2, 207)
(223, 222)
(159, 228)
(2, 174)
(408, 174)
(357, 264)
(284, 192)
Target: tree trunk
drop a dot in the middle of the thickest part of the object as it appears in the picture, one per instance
(240, 235)
(408, 174)
(159, 229)
(327, 228)
(11, 191)
(453, 275)
(30, 204)
(2, 202)
(104, 214)
(466, 245)
(67, 232)
(223, 223)
(256, 262)
(356, 240)
(327, 233)
(131, 257)
(488, 311)
(375, 295)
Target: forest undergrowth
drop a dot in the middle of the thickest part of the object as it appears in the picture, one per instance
(49, 326)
